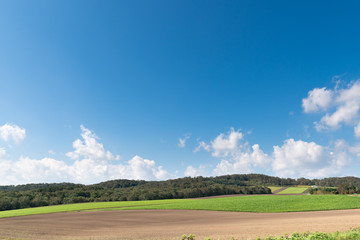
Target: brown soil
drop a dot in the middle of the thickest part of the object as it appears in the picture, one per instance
(171, 224)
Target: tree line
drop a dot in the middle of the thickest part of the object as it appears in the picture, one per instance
(35, 195)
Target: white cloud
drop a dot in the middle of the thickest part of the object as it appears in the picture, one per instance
(318, 99)
(242, 160)
(346, 102)
(292, 159)
(357, 130)
(43, 170)
(345, 113)
(223, 145)
(2, 153)
(355, 149)
(308, 159)
(182, 141)
(202, 145)
(141, 168)
(12, 132)
(89, 147)
(296, 155)
(92, 164)
(236, 156)
(202, 170)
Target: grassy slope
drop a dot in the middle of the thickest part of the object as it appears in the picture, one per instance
(353, 234)
(274, 203)
(270, 203)
(82, 207)
(293, 190)
(273, 189)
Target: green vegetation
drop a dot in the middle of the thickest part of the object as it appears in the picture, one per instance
(36, 195)
(353, 234)
(83, 207)
(253, 203)
(344, 188)
(270, 203)
(293, 190)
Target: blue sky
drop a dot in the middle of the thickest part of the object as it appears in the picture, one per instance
(94, 90)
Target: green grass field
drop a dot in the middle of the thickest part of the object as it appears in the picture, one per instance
(93, 206)
(251, 203)
(293, 190)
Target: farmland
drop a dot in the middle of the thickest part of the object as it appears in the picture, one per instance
(264, 204)
(293, 190)
(242, 216)
(171, 224)
(273, 189)
(37, 195)
(250, 203)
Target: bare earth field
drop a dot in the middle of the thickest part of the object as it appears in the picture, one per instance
(171, 224)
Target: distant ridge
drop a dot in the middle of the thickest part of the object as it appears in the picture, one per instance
(252, 179)
(44, 194)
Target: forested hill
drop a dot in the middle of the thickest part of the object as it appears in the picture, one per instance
(236, 179)
(34, 195)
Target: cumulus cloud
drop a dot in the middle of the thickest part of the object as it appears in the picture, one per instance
(294, 158)
(345, 113)
(92, 163)
(12, 132)
(89, 147)
(223, 145)
(235, 155)
(296, 155)
(308, 159)
(346, 102)
(141, 168)
(202, 145)
(357, 130)
(243, 160)
(318, 99)
(202, 170)
(32, 170)
(2, 153)
(182, 141)
(355, 149)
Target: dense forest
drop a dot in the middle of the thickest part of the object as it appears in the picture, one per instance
(35, 195)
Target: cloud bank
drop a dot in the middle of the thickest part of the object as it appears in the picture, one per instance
(294, 158)
(92, 164)
(230, 153)
(236, 156)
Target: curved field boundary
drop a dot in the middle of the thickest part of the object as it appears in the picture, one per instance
(249, 203)
(294, 190)
(279, 190)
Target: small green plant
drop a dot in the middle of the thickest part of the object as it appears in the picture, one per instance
(188, 237)
(353, 234)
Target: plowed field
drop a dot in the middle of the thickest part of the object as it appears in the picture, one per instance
(171, 224)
